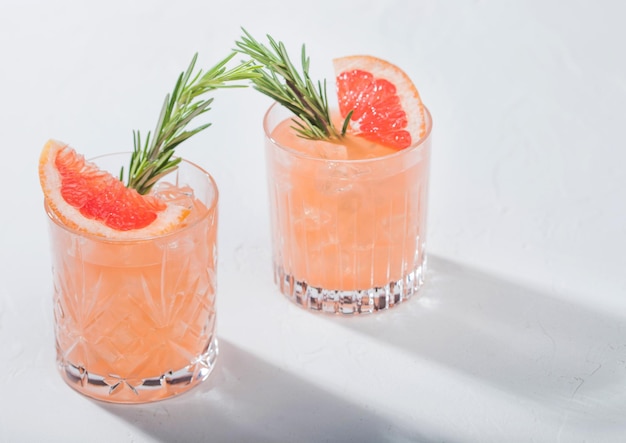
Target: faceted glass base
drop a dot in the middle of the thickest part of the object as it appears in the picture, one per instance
(362, 301)
(115, 389)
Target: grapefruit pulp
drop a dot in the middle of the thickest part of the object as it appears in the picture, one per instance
(93, 201)
(387, 108)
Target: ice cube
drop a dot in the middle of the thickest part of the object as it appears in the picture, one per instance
(331, 151)
(338, 177)
(310, 218)
(180, 196)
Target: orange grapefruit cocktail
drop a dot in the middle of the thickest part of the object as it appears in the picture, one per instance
(348, 216)
(135, 314)
(134, 254)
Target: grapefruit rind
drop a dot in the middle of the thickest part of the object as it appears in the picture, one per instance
(406, 91)
(168, 218)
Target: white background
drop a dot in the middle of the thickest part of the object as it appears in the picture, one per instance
(519, 334)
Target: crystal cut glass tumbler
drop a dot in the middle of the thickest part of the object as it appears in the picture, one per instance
(348, 235)
(135, 319)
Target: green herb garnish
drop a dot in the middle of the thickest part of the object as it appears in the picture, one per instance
(281, 81)
(153, 157)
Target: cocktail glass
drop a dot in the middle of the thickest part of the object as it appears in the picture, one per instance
(135, 319)
(348, 234)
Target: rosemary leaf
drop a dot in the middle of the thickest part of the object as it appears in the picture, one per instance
(280, 80)
(153, 157)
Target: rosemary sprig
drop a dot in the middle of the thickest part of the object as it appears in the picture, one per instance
(281, 81)
(153, 157)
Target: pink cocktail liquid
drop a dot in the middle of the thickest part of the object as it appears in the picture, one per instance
(348, 221)
(135, 319)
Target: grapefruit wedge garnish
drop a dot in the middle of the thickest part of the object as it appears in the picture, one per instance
(386, 107)
(93, 201)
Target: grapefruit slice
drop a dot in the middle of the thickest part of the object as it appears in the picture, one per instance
(387, 109)
(93, 201)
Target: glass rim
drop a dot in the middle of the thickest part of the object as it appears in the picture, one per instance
(420, 145)
(211, 209)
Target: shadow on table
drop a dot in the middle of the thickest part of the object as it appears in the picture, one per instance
(514, 338)
(247, 399)
(511, 337)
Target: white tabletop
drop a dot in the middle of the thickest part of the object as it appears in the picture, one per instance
(520, 332)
